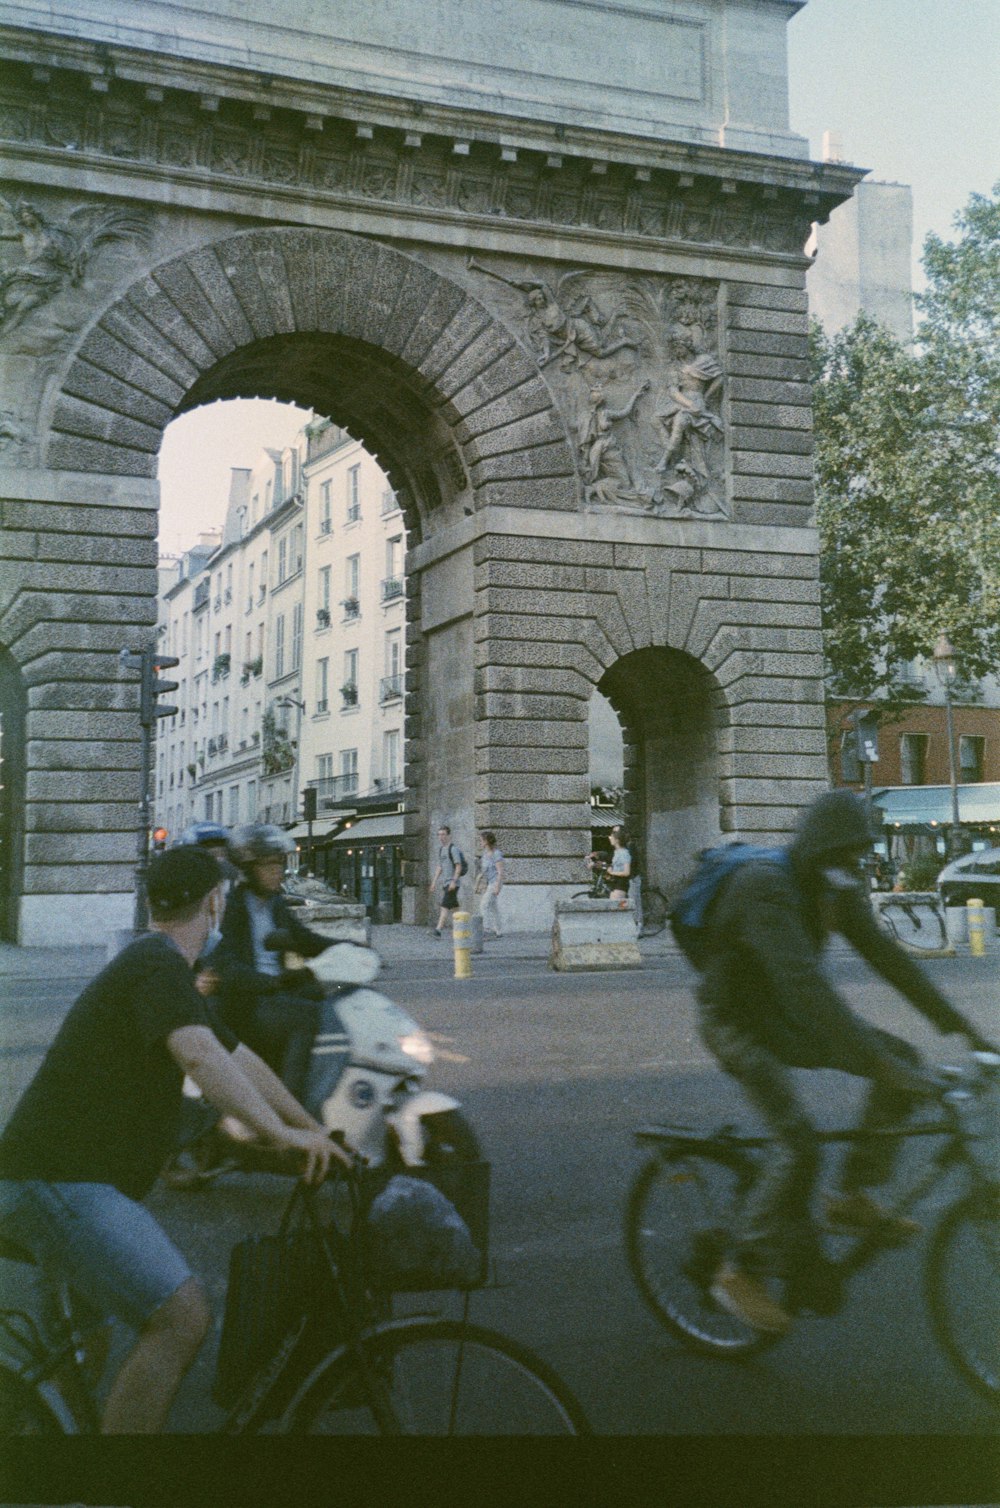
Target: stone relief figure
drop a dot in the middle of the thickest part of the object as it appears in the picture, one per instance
(557, 327)
(641, 384)
(605, 469)
(56, 254)
(686, 420)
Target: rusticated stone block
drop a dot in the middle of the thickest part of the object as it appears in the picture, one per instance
(59, 519)
(514, 786)
(540, 707)
(106, 785)
(761, 566)
(489, 362)
(516, 732)
(532, 397)
(79, 848)
(91, 385)
(67, 754)
(440, 309)
(469, 320)
(79, 816)
(789, 441)
(414, 294)
(782, 322)
(530, 681)
(774, 515)
(771, 489)
(530, 576)
(787, 368)
(239, 264)
(747, 792)
(103, 351)
(522, 434)
(523, 761)
(756, 688)
(172, 322)
(133, 330)
(767, 343)
(71, 453)
(548, 551)
(762, 390)
(767, 296)
(551, 460)
(766, 415)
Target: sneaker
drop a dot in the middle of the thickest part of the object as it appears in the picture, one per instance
(858, 1214)
(436, 931)
(748, 1300)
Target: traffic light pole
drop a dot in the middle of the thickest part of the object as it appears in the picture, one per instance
(149, 664)
(141, 914)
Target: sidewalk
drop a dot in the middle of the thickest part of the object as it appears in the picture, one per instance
(396, 944)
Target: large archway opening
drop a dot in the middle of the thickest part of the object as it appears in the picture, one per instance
(671, 713)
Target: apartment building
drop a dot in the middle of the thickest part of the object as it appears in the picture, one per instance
(289, 629)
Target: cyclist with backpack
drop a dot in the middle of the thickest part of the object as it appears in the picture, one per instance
(755, 923)
(451, 861)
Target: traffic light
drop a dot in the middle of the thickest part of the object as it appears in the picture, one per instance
(160, 836)
(866, 735)
(309, 804)
(153, 687)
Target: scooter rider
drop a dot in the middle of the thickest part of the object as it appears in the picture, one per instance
(214, 839)
(271, 1008)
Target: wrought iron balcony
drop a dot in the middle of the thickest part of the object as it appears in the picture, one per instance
(391, 688)
(392, 587)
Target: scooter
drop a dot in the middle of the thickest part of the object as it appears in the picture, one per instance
(364, 1083)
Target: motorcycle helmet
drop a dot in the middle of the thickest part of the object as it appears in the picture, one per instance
(256, 841)
(203, 835)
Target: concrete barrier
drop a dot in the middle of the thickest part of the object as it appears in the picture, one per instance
(589, 934)
(340, 922)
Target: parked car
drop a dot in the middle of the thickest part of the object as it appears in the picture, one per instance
(974, 875)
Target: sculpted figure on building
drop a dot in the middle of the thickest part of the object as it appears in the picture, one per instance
(636, 363)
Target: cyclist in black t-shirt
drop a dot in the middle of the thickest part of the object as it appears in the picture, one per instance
(95, 1125)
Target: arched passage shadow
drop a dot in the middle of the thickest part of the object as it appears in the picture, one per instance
(672, 711)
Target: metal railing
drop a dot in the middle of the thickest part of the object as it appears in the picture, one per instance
(391, 687)
(392, 587)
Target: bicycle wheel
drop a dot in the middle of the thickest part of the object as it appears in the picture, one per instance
(654, 911)
(22, 1411)
(676, 1234)
(963, 1289)
(439, 1377)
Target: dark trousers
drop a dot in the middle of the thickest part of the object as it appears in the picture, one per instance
(774, 1231)
(280, 1029)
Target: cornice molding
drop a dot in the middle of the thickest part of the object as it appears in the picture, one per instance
(123, 113)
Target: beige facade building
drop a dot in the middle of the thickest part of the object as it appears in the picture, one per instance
(289, 627)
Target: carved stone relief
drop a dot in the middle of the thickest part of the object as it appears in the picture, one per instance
(55, 254)
(636, 363)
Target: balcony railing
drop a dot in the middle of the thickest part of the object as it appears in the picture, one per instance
(334, 788)
(391, 688)
(202, 593)
(392, 587)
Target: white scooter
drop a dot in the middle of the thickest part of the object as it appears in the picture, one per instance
(368, 1062)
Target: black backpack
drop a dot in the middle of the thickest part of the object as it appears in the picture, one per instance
(463, 867)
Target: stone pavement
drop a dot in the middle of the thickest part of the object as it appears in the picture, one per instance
(396, 944)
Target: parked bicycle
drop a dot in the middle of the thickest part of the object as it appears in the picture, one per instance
(337, 1362)
(681, 1205)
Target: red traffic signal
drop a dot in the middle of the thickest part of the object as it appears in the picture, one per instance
(160, 836)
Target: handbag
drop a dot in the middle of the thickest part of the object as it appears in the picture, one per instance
(275, 1281)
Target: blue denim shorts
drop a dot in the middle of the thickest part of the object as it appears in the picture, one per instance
(103, 1243)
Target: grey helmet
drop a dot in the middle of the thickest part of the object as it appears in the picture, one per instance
(256, 841)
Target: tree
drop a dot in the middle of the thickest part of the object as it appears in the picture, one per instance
(908, 475)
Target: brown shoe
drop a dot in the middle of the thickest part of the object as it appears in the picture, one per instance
(748, 1300)
(858, 1214)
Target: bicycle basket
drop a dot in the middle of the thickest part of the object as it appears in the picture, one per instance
(428, 1229)
(274, 1282)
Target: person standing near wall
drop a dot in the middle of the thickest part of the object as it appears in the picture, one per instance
(490, 883)
(450, 867)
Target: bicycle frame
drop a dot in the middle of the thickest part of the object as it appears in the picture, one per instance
(741, 1149)
(56, 1371)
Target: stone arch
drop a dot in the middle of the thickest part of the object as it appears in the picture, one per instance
(672, 711)
(433, 384)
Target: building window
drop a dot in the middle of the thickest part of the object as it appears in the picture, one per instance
(913, 758)
(971, 752)
(388, 501)
(251, 800)
(390, 757)
(325, 508)
(850, 764)
(296, 636)
(282, 560)
(323, 685)
(279, 647)
(324, 766)
(353, 494)
(233, 815)
(349, 688)
(295, 553)
(349, 770)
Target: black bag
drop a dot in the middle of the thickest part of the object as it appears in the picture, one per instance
(463, 867)
(274, 1282)
(413, 1244)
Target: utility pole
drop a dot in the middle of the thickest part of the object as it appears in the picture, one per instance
(149, 664)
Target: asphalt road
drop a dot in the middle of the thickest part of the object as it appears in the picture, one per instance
(555, 1071)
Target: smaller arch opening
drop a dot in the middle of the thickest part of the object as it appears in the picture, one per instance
(671, 712)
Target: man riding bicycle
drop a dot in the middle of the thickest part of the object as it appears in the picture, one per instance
(766, 1007)
(91, 1132)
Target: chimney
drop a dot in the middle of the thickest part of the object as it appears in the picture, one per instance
(833, 147)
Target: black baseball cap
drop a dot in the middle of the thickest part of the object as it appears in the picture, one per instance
(180, 877)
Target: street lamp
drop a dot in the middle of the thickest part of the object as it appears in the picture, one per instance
(291, 701)
(946, 670)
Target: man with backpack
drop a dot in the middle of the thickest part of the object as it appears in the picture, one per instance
(451, 862)
(755, 923)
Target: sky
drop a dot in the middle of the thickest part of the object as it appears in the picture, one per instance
(911, 86)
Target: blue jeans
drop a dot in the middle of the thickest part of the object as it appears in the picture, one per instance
(104, 1244)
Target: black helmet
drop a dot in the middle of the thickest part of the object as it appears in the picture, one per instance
(256, 841)
(203, 835)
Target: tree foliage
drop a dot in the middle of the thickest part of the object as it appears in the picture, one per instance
(908, 474)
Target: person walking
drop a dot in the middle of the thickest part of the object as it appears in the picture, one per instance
(635, 876)
(491, 874)
(450, 868)
(620, 868)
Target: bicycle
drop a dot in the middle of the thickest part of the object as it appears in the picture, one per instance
(599, 889)
(341, 1365)
(681, 1203)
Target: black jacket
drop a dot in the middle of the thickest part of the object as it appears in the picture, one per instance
(766, 934)
(233, 959)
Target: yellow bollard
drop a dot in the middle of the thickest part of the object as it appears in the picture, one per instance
(977, 928)
(461, 931)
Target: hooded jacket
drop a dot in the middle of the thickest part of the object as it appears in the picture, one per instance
(766, 933)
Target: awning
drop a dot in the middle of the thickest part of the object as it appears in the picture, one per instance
(375, 829)
(924, 805)
(321, 826)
